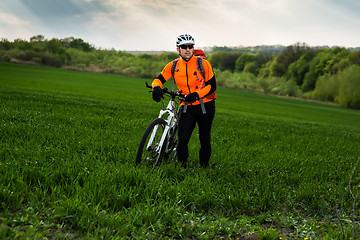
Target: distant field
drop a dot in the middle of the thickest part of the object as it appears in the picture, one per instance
(280, 167)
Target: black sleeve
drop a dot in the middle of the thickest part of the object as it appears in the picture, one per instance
(212, 83)
(161, 78)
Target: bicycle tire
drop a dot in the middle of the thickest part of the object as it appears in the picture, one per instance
(173, 140)
(153, 155)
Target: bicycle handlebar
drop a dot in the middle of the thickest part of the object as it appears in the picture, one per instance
(171, 93)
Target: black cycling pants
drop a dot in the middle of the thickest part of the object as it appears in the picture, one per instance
(187, 123)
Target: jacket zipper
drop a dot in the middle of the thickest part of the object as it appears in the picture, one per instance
(187, 78)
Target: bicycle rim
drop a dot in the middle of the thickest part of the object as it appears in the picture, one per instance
(150, 152)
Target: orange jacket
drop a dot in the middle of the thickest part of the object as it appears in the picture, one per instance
(189, 79)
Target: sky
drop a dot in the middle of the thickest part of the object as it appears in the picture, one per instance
(153, 25)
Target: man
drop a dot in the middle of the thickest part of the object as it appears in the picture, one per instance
(199, 87)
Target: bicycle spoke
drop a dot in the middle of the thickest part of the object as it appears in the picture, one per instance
(150, 152)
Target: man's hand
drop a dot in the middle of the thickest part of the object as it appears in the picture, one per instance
(192, 97)
(157, 94)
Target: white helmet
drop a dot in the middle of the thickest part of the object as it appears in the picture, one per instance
(185, 39)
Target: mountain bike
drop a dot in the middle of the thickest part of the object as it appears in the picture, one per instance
(160, 137)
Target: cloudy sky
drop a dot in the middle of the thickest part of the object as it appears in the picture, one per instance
(148, 25)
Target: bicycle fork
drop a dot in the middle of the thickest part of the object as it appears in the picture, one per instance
(169, 124)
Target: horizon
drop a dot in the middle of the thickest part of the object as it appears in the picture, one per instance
(205, 48)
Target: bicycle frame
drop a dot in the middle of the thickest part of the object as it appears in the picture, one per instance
(170, 110)
(171, 122)
(159, 139)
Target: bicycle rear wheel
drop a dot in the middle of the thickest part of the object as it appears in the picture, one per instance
(170, 152)
(150, 152)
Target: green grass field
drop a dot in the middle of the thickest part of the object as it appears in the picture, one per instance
(280, 167)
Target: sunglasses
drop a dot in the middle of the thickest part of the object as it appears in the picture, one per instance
(186, 46)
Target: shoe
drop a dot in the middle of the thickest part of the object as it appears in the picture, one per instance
(204, 165)
(184, 165)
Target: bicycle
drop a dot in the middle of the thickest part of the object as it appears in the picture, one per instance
(160, 137)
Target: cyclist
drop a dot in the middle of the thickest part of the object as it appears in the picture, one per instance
(199, 88)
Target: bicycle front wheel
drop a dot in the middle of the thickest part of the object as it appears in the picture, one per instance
(150, 150)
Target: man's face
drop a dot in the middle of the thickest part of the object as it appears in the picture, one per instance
(186, 51)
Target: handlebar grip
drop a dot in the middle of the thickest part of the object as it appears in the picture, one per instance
(147, 85)
(165, 90)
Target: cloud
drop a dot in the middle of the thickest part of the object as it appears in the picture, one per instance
(154, 25)
(11, 19)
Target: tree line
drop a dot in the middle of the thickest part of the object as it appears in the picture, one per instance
(326, 74)
(322, 73)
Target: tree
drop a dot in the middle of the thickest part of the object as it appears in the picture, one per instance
(5, 44)
(286, 57)
(168, 56)
(355, 57)
(215, 58)
(37, 38)
(228, 61)
(80, 44)
(325, 61)
(349, 91)
(54, 45)
(299, 68)
(22, 44)
(242, 60)
(66, 42)
(260, 61)
(223, 49)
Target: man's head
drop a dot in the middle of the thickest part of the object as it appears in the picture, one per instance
(185, 46)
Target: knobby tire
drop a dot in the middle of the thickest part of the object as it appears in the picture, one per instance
(173, 140)
(149, 156)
